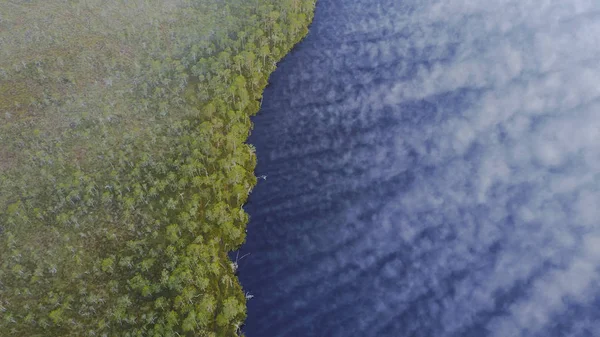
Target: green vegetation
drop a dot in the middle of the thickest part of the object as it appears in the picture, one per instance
(123, 162)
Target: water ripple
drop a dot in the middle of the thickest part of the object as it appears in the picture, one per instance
(433, 170)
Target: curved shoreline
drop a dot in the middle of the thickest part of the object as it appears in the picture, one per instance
(118, 219)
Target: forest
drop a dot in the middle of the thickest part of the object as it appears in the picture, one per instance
(123, 160)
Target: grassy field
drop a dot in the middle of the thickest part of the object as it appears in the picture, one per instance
(123, 163)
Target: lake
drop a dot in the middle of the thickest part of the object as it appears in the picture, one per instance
(432, 169)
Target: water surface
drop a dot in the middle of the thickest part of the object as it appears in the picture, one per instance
(432, 170)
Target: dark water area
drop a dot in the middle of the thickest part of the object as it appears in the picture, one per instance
(432, 169)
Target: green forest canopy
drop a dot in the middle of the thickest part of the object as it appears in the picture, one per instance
(123, 162)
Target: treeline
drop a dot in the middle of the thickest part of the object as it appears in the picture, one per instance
(126, 233)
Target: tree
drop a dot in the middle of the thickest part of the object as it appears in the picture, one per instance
(264, 53)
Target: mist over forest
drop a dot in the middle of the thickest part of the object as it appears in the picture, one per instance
(417, 168)
(124, 163)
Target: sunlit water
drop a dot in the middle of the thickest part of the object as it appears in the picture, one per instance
(432, 170)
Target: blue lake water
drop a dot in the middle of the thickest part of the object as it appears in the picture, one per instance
(433, 169)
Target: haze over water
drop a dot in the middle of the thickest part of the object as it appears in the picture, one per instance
(432, 169)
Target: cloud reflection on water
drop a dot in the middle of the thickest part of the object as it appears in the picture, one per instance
(435, 172)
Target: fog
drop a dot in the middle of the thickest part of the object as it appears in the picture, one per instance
(435, 173)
